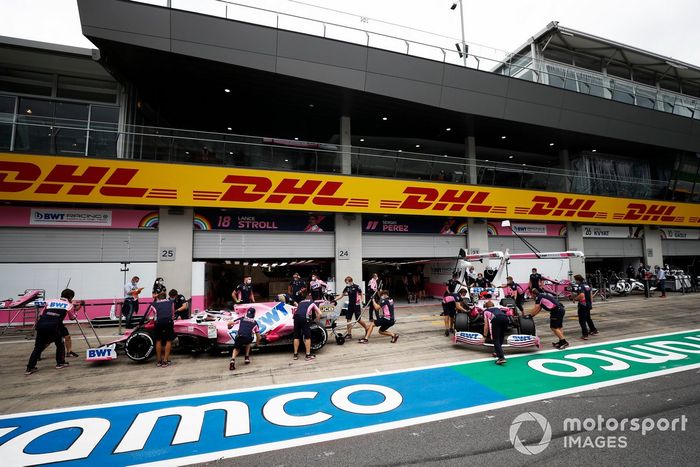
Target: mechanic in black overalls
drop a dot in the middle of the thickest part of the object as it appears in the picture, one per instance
(582, 295)
(516, 289)
(496, 321)
(297, 288)
(182, 306)
(535, 282)
(244, 292)
(164, 311)
(244, 338)
(48, 330)
(306, 312)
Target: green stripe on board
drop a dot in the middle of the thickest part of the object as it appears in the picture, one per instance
(526, 375)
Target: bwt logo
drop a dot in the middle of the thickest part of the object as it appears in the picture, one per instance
(49, 216)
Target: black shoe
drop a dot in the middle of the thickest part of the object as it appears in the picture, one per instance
(593, 332)
(72, 354)
(563, 345)
(447, 332)
(232, 365)
(30, 371)
(500, 361)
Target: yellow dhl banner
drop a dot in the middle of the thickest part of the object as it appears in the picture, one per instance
(82, 180)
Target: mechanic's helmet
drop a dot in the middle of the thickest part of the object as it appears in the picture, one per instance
(250, 313)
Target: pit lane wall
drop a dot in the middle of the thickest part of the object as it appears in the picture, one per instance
(99, 284)
(127, 182)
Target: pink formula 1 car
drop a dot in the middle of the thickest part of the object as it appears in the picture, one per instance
(209, 332)
(469, 326)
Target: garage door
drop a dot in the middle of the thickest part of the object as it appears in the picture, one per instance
(613, 247)
(19, 245)
(680, 247)
(225, 244)
(515, 245)
(412, 246)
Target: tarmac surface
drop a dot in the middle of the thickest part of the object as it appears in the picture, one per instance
(422, 343)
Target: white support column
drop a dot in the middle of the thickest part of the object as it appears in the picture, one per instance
(348, 226)
(574, 242)
(477, 240)
(348, 248)
(175, 234)
(653, 253)
(346, 146)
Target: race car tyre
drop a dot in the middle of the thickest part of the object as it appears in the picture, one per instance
(140, 346)
(462, 322)
(527, 326)
(340, 340)
(319, 336)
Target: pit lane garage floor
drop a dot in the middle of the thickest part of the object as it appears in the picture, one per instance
(422, 343)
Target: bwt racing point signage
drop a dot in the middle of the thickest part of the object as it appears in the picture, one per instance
(44, 179)
(71, 217)
(21, 216)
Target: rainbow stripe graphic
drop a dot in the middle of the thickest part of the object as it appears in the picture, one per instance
(463, 228)
(149, 221)
(491, 230)
(201, 222)
(563, 231)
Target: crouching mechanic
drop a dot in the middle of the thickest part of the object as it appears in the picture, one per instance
(385, 318)
(556, 315)
(496, 321)
(49, 329)
(182, 306)
(451, 304)
(305, 313)
(244, 338)
(164, 310)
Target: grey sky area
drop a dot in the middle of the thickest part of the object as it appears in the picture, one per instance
(668, 28)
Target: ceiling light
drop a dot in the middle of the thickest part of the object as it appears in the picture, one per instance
(245, 263)
(486, 160)
(594, 150)
(551, 144)
(503, 137)
(286, 160)
(296, 139)
(524, 164)
(237, 263)
(362, 140)
(227, 90)
(417, 145)
(187, 152)
(400, 150)
(448, 129)
(264, 265)
(274, 265)
(510, 157)
(445, 155)
(311, 105)
(385, 118)
(254, 264)
(231, 152)
(229, 128)
(29, 111)
(283, 264)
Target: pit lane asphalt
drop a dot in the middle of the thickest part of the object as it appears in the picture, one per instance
(422, 343)
(483, 439)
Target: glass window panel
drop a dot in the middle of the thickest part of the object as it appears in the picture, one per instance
(101, 113)
(7, 115)
(25, 82)
(7, 104)
(69, 141)
(34, 129)
(87, 89)
(622, 92)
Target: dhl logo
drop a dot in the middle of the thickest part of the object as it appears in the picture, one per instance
(16, 177)
(564, 207)
(451, 200)
(249, 189)
(652, 212)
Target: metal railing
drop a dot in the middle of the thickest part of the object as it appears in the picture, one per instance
(229, 150)
(440, 48)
